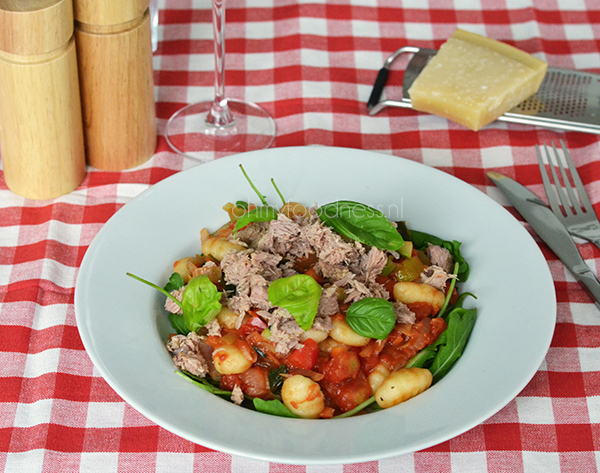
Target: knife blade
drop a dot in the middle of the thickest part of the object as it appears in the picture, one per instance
(549, 228)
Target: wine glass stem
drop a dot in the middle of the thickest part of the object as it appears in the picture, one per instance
(219, 115)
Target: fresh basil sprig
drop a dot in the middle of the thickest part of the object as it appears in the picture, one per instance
(200, 302)
(361, 223)
(263, 213)
(300, 295)
(371, 317)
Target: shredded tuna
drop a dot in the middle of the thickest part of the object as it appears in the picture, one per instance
(284, 237)
(187, 353)
(328, 304)
(252, 233)
(436, 277)
(323, 324)
(170, 304)
(237, 395)
(440, 257)
(285, 331)
(213, 328)
(403, 314)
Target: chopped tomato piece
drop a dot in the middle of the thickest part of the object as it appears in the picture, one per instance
(254, 324)
(349, 393)
(303, 358)
(343, 365)
(421, 309)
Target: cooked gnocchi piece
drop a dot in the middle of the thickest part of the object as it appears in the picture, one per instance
(217, 248)
(230, 359)
(402, 385)
(409, 292)
(303, 396)
(343, 333)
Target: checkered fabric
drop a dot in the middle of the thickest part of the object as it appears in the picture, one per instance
(312, 64)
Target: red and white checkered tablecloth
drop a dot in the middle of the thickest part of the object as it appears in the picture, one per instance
(312, 64)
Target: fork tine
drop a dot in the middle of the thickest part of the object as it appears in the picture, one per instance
(585, 200)
(574, 201)
(566, 204)
(550, 194)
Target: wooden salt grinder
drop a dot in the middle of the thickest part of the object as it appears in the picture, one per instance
(114, 51)
(41, 136)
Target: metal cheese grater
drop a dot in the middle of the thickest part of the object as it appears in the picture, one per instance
(566, 100)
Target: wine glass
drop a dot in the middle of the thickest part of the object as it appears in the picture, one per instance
(220, 126)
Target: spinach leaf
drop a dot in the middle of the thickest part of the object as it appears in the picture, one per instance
(257, 214)
(421, 241)
(300, 295)
(454, 338)
(178, 324)
(175, 282)
(200, 302)
(441, 355)
(275, 378)
(274, 407)
(242, 204)
(361, 223)
(372, 317)
(204, 384)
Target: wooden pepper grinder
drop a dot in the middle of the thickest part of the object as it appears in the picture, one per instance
(41, 135)
(114, 51)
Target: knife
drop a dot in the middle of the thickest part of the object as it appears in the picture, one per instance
(549, 228)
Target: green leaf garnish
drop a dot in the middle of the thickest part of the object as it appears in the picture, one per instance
(257, 214)
(361, 223)
(175, 282)
(274, 407)
(200, 302)
(372, 317)
(300, 295)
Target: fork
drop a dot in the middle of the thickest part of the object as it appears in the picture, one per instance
(573, 207)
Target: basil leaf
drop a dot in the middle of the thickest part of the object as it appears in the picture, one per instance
(175, 282)
(421, 241)
(300, 295)
(372, 317)
(257, 214)
(274, 407)
(361, 223)
(452, 341)
(200, 302)
(178, 324)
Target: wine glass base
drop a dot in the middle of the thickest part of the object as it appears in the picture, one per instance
(189, 134)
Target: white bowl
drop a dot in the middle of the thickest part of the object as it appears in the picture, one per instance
(124, 327)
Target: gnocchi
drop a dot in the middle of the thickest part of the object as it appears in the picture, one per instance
(409, 292)
(402, 385)
(378, 376)
(343, 333)
(217, 248)
(230, 359)
(294, 209)
(303, 396)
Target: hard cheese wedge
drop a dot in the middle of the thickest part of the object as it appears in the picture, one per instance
(473, 80)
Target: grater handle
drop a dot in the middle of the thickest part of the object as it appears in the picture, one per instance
(380, 81)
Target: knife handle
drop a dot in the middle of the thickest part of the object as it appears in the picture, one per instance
(589, 280)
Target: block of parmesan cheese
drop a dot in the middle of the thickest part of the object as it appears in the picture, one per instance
(473, 80)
